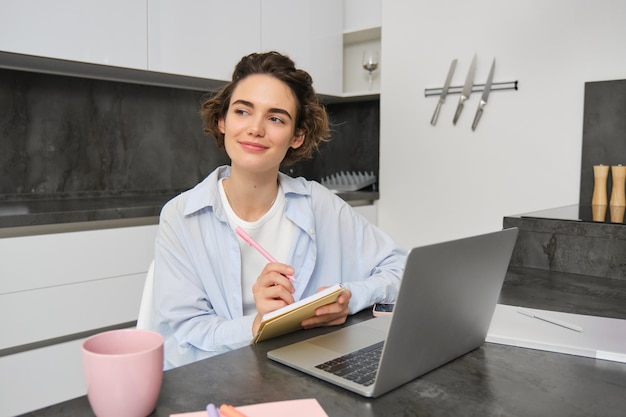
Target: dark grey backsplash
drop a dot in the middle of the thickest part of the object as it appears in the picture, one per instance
(354, 142)
(67, 137)
(604, 132)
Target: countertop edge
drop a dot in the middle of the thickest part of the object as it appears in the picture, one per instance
(28, 218)
(45, 229)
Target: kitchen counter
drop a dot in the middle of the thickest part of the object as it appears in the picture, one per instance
(72, 214)
(493, 380)
(581, 213)
(565, 292)
(36, 212)
(568, 239)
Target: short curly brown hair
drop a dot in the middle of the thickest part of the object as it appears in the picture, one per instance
(311, 116)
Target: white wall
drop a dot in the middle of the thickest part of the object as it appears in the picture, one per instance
(444, 182)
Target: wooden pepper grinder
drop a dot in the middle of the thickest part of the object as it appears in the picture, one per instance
(617, 214)
(600, 176)
(598, 212)
(618, 191)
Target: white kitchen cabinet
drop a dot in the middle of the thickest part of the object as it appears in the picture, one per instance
(362, 31)
(41, 377)
(112, 32)
(202, 38)
(193, 39)
(355, 77)
(207, 38)
(55, 288)
(361, 14)
(311, 33)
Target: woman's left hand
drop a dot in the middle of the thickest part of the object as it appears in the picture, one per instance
(330, 314)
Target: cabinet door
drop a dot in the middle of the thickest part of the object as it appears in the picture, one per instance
(55, 287)
(111, 32)
(311, 33)
(202, 38)
(361, 14)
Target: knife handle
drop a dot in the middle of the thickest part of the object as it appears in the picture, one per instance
(479, 113)
(459, 109)
(433, 121)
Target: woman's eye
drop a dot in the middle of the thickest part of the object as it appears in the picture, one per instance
(276, 119)
(242, 112)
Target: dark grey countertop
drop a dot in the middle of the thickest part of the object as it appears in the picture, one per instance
(566, 292)
(41, 212)
(493, 380)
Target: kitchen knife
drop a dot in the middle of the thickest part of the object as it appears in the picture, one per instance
(485, 96)
(444, 93)
(467, 89)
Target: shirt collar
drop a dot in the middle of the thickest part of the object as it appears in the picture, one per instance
(206, 193)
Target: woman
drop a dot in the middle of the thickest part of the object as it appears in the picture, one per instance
(211, 288)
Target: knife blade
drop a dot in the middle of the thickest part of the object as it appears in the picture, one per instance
(467, 90)
(444, 93)
(485, 97)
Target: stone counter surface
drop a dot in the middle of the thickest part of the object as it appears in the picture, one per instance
(493, 380)
(44, 212)
(567, 240)
(40, 212)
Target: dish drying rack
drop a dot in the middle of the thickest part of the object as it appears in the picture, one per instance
(349, 181)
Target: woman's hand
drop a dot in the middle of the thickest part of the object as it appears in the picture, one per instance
(272, 290)
(330, 314)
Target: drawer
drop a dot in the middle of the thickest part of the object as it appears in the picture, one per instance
(44, 261)
(47, 313)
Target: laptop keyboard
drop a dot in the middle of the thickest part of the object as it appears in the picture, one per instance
(359, 366)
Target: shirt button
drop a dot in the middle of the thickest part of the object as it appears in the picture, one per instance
(312, 231)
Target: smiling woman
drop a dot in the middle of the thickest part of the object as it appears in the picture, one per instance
(210, 287)
(309, 115)
(259, 128)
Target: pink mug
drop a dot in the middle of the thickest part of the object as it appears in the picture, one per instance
(123, 372)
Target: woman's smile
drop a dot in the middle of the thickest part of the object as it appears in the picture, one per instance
(253, 146)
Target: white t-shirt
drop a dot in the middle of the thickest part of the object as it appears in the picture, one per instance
(273, 231)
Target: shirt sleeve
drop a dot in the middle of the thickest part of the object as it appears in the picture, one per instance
(193, 303)
(369, 261)
(377, 265)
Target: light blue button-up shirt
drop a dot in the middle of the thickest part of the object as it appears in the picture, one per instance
(197, 280)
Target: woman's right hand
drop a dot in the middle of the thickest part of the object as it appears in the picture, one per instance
(272, 290)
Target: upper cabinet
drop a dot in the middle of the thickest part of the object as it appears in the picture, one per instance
(111, 32)
(195, 40)
(311, 33)
(206, 38)
(361, 15)
(362, 34)
(202, 38)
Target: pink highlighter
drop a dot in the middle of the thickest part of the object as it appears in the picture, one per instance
(246, 237)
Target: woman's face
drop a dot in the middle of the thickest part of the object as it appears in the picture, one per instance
(259, 126)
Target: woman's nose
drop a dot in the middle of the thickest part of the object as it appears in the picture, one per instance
(256, 127)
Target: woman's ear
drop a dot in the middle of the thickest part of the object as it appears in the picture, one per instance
(220, 125)
(298, 139)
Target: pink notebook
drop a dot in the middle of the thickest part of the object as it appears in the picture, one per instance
(308, 407)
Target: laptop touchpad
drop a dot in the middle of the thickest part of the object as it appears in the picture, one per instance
(351, 338)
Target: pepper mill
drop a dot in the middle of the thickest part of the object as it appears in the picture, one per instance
(600, 176)
(598, 212)
(617, 214)
(618, 191)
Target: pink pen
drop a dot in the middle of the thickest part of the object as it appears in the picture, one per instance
(246, 237)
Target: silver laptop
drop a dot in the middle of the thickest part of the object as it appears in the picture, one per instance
(446, 300)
